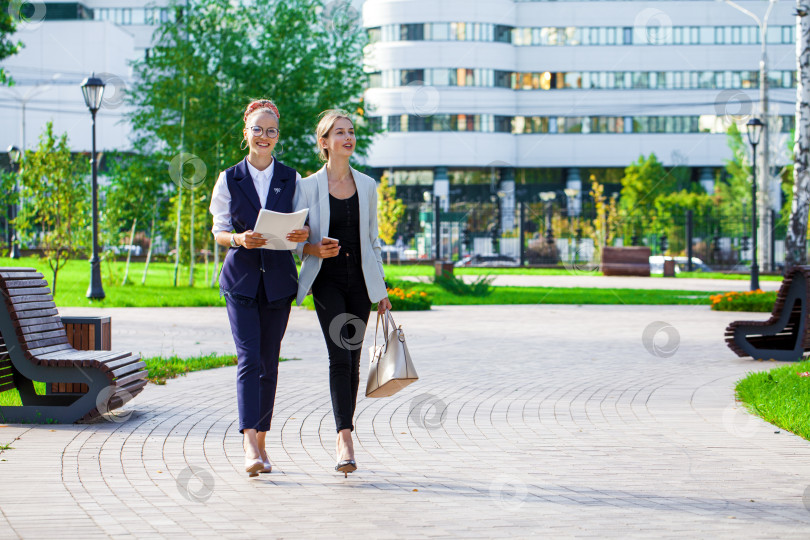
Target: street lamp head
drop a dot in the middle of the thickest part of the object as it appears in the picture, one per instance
(14, 154)
(93, 90)
(754, 129)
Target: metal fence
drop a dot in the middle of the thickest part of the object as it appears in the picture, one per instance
(553, 236)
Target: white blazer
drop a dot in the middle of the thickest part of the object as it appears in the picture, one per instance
(313, 192)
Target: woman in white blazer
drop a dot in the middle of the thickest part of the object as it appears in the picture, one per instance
(341, 266)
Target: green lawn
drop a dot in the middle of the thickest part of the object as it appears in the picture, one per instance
(159, 292)
(720, 275)
(572, 295)
(779, 396)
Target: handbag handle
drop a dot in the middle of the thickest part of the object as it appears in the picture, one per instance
(385, 328)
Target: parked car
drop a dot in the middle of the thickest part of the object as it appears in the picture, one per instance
(487, 260)
(136, 250)
(657, 264)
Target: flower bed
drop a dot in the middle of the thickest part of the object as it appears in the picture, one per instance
(408, 300)
(757, 300)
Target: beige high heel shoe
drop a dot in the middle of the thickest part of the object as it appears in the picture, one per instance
(253, 466)
(268, 467)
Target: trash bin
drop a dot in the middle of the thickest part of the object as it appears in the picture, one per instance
(669, 267)
(444, 268)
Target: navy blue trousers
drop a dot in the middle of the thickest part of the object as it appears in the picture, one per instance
(257, 327)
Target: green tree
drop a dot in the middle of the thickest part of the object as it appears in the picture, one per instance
(604, 227)
(132, 198)
(643, 182)
(734, 195)
(210, 60)
(54, 189)
(8, 26)
(390, 210)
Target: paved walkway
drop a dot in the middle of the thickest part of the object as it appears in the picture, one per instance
(529, 421)
(584, 279)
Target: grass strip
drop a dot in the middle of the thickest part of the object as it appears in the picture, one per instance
(779, 396)
(552, 295)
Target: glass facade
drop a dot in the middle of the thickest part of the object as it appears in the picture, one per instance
(552, 36)
(125, 16)
(620, 80)
(519, 125)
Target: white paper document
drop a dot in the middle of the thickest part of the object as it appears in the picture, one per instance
(275, 226)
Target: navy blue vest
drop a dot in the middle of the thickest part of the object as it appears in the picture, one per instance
(243, 268)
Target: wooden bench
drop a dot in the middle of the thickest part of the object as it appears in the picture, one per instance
(34, 346)
(626, 261)
(785, 335)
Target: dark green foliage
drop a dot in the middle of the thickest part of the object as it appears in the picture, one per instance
(480, 286)
(8, 46)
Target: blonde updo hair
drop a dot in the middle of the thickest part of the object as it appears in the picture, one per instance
(328, 119)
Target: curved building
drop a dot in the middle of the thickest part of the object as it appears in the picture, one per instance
(538, 94)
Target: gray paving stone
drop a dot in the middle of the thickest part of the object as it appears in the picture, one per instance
(557, 422)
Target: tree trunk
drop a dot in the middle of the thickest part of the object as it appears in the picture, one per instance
(129, 251)
(191, 241)
(151, 243)
(216, 265)
(796, 241)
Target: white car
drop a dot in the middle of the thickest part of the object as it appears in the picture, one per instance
(657, 264)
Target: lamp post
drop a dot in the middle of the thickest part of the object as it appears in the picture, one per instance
(93, 91)
(754, 130)
(767, 181)
(15, 157)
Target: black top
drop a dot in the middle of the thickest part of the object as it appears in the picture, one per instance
(344, 223)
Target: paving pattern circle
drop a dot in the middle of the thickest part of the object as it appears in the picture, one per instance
(528, 421)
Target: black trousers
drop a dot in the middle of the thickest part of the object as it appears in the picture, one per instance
(342, 305)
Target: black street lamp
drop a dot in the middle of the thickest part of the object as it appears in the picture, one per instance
(93, 90)
(15, 157)
(754, 130)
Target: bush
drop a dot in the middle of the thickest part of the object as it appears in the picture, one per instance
(744, 301)
(481, 286)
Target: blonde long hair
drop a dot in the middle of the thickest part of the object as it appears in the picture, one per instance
(327, 122)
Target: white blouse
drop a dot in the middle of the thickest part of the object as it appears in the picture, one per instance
(221, 197)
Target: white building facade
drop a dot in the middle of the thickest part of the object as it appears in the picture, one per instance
(63, 43)
(535, 93)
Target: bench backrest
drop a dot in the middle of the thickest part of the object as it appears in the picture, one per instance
(626, 255)
(32, 310)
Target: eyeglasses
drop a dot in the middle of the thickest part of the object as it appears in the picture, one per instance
(257, 132)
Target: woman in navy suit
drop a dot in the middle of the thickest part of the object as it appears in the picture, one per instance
(342, 266)
(258, 284)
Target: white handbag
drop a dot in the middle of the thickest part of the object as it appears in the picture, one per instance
(390, 369)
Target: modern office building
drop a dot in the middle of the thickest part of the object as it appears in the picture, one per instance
(64, 42)
(527, 96)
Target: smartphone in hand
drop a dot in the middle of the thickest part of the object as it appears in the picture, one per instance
(329, 240)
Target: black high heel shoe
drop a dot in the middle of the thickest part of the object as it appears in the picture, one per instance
(346, 466)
